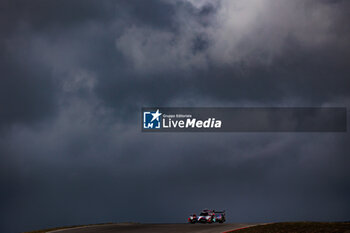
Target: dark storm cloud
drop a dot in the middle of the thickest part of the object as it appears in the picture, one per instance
(26, 91)
(311, 63)
(27, 85)
(75, 74)
(45, 38)
(42, 15)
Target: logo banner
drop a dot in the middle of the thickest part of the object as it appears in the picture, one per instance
(160, 119)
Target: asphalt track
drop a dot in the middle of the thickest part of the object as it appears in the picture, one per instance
(155, 228)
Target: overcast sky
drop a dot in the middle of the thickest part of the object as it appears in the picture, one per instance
(75, 74)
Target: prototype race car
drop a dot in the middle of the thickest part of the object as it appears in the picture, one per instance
(220, 216)
(208, 216)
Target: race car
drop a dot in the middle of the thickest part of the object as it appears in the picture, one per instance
(208, 216)
(220, 216)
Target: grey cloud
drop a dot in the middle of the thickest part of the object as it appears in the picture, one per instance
(75, 75)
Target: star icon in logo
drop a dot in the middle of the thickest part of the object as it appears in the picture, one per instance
(156, 115)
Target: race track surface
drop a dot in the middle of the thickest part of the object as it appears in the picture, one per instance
(154, 228)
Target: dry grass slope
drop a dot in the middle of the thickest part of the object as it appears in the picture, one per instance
(300, 227)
